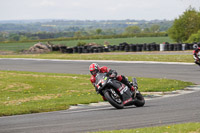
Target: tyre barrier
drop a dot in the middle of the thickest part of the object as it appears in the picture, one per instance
(80, 50)
(171, 47)
(63, 49)
(187, 46)
(125, 47)
(139, 47)
(133, 48)
(144, 48)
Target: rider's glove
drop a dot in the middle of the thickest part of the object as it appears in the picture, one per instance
(112, 74)
(109, 73)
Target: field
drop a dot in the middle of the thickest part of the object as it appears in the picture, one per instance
(115, 41)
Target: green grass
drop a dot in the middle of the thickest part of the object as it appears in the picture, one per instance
(31, 92)
(177, 128)
(160, 85)
(114, 41)
(104, 56)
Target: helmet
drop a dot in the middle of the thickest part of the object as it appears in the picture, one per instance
(94, 69)
(195, 46)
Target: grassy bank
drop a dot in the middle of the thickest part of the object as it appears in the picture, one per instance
(103, 56)
(114, 41)
(177, 128)
(30, 92)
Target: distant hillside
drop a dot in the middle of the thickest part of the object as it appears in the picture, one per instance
(49, 25)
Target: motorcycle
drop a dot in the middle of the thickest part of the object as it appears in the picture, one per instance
(116, 93)
(197, 60)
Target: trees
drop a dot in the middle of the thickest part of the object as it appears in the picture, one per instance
(132, 29)
(98, 31)
(77, 34)
(185, 25)
(146, 30)
(194, 37)
(155, 28)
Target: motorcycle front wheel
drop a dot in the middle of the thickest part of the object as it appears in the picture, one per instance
(139, 102)
(114, 99)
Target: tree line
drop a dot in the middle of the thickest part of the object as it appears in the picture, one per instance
(128, 31)
(80, 29)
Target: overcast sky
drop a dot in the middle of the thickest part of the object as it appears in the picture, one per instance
(94, 9)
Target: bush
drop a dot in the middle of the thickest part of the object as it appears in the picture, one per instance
(81, 43)
(194, 38)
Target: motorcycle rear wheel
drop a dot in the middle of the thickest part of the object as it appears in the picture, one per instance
(109, 96)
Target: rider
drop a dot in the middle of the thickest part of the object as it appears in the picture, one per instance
(196, 53)
(94, 69)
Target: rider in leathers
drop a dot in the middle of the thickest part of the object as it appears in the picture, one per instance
(94, 69)
(196, 54)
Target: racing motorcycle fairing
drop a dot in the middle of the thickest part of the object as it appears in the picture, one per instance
(103, 82)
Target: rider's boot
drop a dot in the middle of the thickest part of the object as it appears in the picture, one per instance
(126, 82)
(104, 98)
(197, 62)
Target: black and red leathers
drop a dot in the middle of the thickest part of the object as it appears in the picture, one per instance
(196, 54)
(120, 78)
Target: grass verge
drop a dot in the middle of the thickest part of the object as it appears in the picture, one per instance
(103, 56)
(31, 92)
(177, 128)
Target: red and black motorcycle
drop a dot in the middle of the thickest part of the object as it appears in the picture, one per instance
(116, 93)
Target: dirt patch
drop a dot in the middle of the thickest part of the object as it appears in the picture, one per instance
(84, 83)
(80, 91)
(35, 98)
(68, 91)
(7, 53)
(35, 75)
(17, 87)
(198, 130)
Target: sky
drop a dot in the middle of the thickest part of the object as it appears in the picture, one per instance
(94, 9)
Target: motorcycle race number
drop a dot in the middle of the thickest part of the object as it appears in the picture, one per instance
(100, 83)
(126, 95)
(123, 89)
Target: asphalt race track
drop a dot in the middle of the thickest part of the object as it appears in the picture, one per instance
(158, 111)
(180, 71)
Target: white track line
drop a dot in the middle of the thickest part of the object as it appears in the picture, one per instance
(85, 110)
(110, 61)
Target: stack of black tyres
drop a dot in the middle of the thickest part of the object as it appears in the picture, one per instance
(80, 49)
(63, 49)
(125, 47)
(139, 47)
(133, 48)
(179, 47)
(171, 47)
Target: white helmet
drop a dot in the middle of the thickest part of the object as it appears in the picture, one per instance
(195, 46)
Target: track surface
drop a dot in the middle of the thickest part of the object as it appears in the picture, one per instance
(179, 109)
(185, 72)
